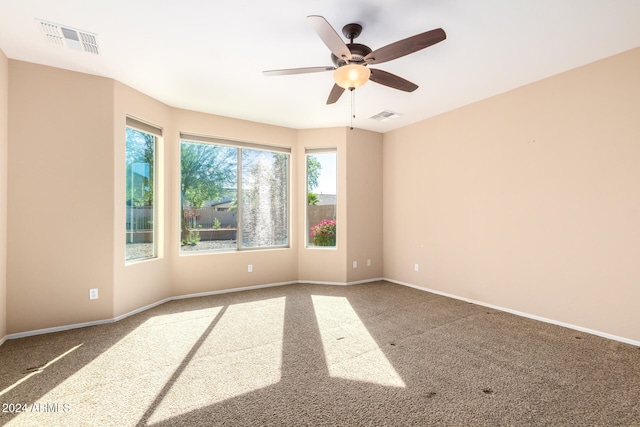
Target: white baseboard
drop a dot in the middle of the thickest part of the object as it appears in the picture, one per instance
(320, 282)
(360, 282)
(141, 309)
(58, 329)
(226, 291)
(2, 340)
(177, 297)
(247, 288)
(134, 312)
(521, 314)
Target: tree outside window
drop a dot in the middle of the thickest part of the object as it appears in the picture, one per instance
(233, 197)
(140, 195)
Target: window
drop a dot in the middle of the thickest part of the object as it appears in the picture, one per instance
(321, 197)
(264, 198)
(234, 195)
(141, 224)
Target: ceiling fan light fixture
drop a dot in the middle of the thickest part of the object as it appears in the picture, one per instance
(351, 76)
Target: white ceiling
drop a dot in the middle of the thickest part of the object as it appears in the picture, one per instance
(208, 55)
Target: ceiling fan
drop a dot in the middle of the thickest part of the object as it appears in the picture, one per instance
(351, 60)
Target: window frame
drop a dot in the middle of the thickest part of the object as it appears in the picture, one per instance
(240, 145)
(155, 131)
(307, 152)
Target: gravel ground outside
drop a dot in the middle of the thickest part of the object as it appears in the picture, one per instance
(136, 251)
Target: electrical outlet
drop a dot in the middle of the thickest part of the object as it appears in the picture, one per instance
(250, 268)
(93, 293)
(355, 264)
(368, 263)
(416, 267)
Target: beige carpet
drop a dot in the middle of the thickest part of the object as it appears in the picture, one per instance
(373, 354)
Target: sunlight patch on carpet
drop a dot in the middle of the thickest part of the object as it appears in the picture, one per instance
(38, 370)
(243, 353)
(118, 380)
(350, 350)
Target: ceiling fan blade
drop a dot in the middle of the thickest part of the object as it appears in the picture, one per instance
(335, 94)
(391, 80)
(406, 46)
(329, 36)
(297, 71)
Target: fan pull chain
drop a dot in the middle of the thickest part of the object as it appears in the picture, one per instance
(353, 106)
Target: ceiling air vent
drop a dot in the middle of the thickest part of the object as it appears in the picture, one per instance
(70, 37)
(385, 115)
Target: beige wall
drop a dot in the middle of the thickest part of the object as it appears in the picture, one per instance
(4, 134)
(359, 208)
(60, 150)
(139, 284)
(364, 205)
(196, 273)
(528, 200)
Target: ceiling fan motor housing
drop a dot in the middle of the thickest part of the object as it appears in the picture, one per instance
(358, 52)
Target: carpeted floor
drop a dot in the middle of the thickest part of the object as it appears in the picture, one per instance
(373, 354)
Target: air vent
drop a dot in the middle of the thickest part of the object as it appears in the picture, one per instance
(70, 37)
(385, 115)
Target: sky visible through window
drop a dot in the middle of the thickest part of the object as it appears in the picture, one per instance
(327, 178)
